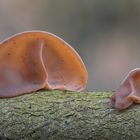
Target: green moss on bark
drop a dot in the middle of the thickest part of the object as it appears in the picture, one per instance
(57, 115)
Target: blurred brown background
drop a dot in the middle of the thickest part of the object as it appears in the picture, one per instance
(106, 33)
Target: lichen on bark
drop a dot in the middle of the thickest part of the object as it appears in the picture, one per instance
(57, 115)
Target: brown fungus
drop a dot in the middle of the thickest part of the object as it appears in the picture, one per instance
(128, 92)
(35, 60)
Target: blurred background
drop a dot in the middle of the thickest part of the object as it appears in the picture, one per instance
(106, 33)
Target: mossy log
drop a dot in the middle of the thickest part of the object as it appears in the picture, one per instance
(57, 115)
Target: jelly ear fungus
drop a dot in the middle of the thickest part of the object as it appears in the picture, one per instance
(35, 60)
(128, 92)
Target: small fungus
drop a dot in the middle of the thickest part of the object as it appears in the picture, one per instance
(128, 92)
(35, 60)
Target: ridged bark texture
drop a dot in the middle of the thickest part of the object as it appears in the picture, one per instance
(57, 115)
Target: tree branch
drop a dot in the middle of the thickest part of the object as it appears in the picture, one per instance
(57, 115)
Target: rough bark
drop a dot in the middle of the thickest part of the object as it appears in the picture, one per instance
(56, 115)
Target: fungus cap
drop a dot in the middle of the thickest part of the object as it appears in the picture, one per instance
(129, 91)
(35, 60)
